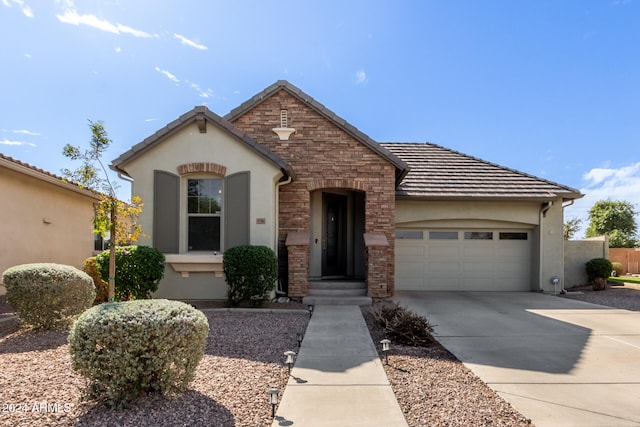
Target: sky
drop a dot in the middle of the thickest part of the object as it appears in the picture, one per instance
(547, 87)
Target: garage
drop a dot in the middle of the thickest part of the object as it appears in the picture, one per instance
(463, 260)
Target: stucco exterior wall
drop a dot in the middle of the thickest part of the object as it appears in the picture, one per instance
(42, 222)
(188, 145)
(577, 253)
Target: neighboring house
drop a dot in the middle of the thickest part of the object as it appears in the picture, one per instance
(42, 217)
(282, 170)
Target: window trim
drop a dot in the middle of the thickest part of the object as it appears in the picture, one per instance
(185, 215)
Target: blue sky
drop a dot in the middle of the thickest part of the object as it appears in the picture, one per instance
(547, 87)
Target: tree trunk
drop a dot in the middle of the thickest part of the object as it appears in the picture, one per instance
(112, 254)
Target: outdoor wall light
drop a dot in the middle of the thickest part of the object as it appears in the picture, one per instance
(299, 338)
(290, 357)
(385, 349)
(310, 308)
(273, 399)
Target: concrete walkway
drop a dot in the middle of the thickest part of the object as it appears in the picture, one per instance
(338, 379)
(559, 362)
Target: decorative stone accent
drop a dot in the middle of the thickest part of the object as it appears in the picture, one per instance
(202, 167)
(326, 156)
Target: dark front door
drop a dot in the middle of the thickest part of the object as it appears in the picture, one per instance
(334, 249)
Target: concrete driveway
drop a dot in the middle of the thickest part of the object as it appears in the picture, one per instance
(559, 362)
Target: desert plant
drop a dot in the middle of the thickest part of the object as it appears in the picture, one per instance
(598, 270)
(403, 326)
(618, 269)
(250, 272)
(90, 267)
(128, 349)
(47, 295)
(138, 271)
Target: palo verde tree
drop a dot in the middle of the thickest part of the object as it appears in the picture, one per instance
(112, 216)
(615, 219)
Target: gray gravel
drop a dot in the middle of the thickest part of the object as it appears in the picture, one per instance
(243, 358)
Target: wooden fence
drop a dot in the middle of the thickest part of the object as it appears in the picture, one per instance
(629, 258)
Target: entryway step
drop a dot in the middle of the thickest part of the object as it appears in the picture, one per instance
(337, 284)
(343, 300)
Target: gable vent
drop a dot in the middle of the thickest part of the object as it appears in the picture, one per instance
(284, 131)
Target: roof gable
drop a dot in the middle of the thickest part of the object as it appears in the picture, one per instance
(401, 167)
(201, 115)
(443, 174)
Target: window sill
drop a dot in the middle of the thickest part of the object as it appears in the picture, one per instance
(185, 264)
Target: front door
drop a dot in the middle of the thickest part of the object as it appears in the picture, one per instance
(334, 245)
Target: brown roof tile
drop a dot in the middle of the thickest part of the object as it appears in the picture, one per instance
(440, 173)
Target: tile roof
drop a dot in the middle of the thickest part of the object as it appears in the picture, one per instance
(26, 168)
(438, 173)
(189, 117)
(401, 166)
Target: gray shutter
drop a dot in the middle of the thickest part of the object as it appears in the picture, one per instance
(236, 209)
(166, 205)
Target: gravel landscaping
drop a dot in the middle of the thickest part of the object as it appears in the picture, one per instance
(243, 358)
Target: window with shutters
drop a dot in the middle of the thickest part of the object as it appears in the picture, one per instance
(204, 214)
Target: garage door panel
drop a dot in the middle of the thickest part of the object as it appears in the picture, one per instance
(466, 265)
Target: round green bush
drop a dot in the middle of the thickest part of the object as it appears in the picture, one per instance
(127, 349)
(599, 268)
(48, 295)
(139, 270)
(251, 273)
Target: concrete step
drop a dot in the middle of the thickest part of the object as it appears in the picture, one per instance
(342, 300)
(335, 284)
(337, 292)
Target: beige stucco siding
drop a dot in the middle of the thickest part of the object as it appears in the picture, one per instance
(43, 222)
(188, 145)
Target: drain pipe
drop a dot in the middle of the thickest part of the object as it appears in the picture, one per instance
(543, 213)
(286, 179)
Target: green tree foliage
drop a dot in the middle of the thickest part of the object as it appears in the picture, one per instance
(112, 216)
(615, 219)
(571, 227)
(251, 273)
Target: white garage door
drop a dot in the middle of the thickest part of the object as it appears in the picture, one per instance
(465, 260)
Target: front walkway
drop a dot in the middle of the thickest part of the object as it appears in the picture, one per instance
(338, 379)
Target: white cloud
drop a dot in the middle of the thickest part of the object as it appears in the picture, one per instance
(167, 74)
(622, 184)
(16, 143)
(185, 41)
(26, 132)
(26, 10)
(72, 17)
(201, 92)
(117, 49)
(151, 119)
(361, 77)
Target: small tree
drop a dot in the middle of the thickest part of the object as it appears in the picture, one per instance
(109, 209)
(571, 227)
(615, 219)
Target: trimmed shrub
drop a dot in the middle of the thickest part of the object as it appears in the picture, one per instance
(251, 273)
(139, 269)
(47, 295)
(403, 326)
(128, 349)
(618, 269)
(90, 267)
(598, 270)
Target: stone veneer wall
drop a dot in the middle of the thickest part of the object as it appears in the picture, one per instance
(318, 151)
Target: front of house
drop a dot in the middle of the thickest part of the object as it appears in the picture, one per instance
(283, 171)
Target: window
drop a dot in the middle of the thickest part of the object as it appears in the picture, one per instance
(478, 235)
(443, 235)
(513, 236)
(409, 234)
(204, 211)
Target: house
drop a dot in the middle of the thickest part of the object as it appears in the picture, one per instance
(284, 171)
(43, 218)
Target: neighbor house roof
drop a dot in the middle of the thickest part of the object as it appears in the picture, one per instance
(43, 175)
(401, 167)
(443, 174)
(200, 115)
